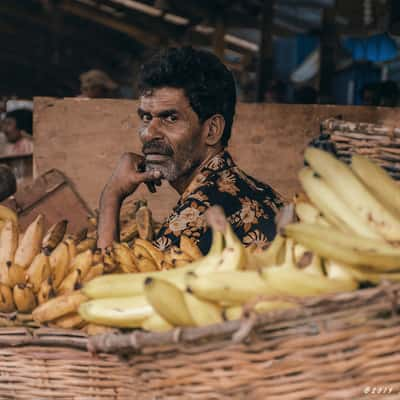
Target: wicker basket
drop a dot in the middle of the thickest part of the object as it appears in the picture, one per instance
(345, 346)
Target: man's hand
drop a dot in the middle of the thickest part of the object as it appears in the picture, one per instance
(128, 175)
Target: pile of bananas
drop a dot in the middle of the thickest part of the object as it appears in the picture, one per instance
(348, 233)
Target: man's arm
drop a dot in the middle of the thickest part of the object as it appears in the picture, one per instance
(123, 182)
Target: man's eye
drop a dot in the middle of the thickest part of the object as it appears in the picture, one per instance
(146, 117)
(171, 118)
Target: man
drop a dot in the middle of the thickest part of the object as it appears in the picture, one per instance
(96, 84)
(187, 106)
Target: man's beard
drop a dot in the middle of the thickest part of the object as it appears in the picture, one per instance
(169, 169)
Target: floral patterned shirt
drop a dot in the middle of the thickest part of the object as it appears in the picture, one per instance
(250, 206)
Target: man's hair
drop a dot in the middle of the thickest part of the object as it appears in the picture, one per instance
(8, 183)
(206, 81)
(23, 118)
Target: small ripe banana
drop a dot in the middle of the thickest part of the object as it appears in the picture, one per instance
(70, 242)
(46, 291)
(31, 243)
(58, 306)
(8, 242)
(81, 235)
(16, 275)
(97, 256)
(24, 298)
(156, 254)
(54, 236)
(6, 299)
(201, 311)
(7, 213)
(315, 267)
(59, 263)
(273, 255)
(38, 271)
(129, 231)
(123, 257)
(82, 262)
(237, 312)
(349, 187)
(144, 223)
(189, 247)
(94, 271)
(156, 324)
(110, 264)
(177, 257)
(309, 214)
(69, 321)
(168, 301)
(87, 244)
(123, 312)
(146, 265)
(71, 283)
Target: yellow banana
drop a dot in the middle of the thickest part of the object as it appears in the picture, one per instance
(146, 265)
(70, 283)
(38, 271)
(333, 207)
(364, 275)
(346, 248)
(156, 254)
(123, 257)
(58, 306)
(236, 312)
(307, 213)
(109, 262)
(189, 247)
(6, 299)
(69, 321)
(378, 182)
(315, 267)
(348, 186)
(59, 263)
(8, 242)
(16, 275)
(86, 244)
(82, 262)
(335, 270)
(31, 243)
(7, 213)
(98, 257)
(94, 271)
(124, 312)
(273, 255)
(232, 287)
(144, 223)
(156, 324)
(46, 291)
(79, 236)
(69, 241)
(24, 298)
(54, 236)
(202, 312)
(129, 231)
(168, 301)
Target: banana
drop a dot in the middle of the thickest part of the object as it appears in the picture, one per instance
(129, 231)
(46, 291)
(54, 236)
(189, 247)
(124, 312)
(94, 271)
(8, 243)
(16, 275)
(156, 254)
(156, 324)
(364, 275)
(31, 243)
(232, 287)
(335, 270)
(69, 241)
(144, 223)
(109, 262)
(217, 243)
(81, 235)
(38, 271)
(124, 257)
(289, 280)
(315, 267)
(7, 213)
(98, 257)
(146, 265)
(24, 298)
(201, 311)
(6, 299)
(346, 248)
(82, 262)
(348, 186)
(237, 312)
(307, 213)
(58, 306)
(273, 255)
(69, 321)
(168, 301)
(378, 182)
(86, 244)
(333, 208)
(70, 283)
(59, 263)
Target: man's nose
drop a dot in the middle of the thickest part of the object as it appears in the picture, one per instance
(153, 130)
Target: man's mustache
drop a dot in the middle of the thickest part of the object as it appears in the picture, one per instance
(157, 148)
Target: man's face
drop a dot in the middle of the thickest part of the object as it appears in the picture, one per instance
(10, 129)
(171, 133)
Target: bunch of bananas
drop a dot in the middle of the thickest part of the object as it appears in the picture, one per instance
(348, 233)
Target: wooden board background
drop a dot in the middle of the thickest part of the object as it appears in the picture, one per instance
(84, 139)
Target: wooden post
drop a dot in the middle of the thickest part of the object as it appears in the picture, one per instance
(218, 40)
(327, 56)
(265, 57)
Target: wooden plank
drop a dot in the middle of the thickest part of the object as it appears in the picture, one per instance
(85, 138)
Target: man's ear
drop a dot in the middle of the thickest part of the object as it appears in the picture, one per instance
(215, 126)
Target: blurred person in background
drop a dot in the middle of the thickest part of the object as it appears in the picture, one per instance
(305, 95)
(8, 183)
(276, 92)
(17, 128)
(96, 84)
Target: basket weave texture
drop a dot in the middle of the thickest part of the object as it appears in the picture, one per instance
(333, 347)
